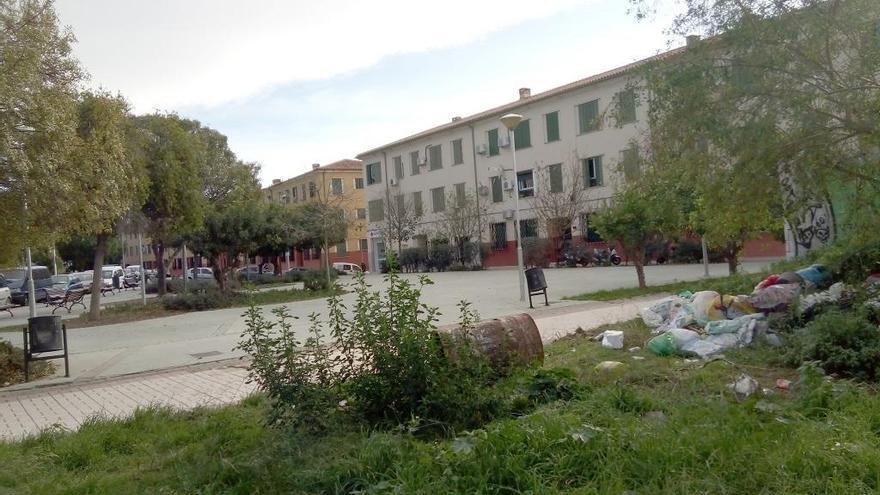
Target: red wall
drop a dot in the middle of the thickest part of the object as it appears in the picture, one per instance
(765, 246)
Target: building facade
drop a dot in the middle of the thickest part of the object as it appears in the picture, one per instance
(580, 135)
(341, 184)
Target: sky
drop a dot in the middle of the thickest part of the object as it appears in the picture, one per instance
(294, 82)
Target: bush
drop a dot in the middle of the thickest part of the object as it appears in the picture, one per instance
(412, 259)
(316, 280)
(843, 343)
(440, 256)
(687, 252)
(12, 365)
(196, 301)
(176, 285)
(383, 364)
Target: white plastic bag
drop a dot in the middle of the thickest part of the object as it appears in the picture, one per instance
(612, 339)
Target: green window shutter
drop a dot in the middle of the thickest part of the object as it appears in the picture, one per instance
(414, 163)
(630, 160)
(459, 194)
(400, 203)
(438, 198)
(341, 249)
(588, 116)
(417, 203)
(398, 167)
(497, 192)
(435, 157)
(523, 135)
(626, 107)
(555, 172)
(457, 154)
(551, 120)
(493, 142)
(377, 210)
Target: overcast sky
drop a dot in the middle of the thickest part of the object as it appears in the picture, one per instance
(296, 82)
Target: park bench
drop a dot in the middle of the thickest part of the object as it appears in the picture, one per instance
(70, 299)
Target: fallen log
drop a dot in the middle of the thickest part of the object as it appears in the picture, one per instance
(508, 342)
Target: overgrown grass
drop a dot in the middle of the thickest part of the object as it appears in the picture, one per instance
(734, 284)
(655, 425)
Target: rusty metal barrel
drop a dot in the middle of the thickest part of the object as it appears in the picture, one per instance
(508, 342)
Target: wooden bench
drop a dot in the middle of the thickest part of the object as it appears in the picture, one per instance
(70, 299)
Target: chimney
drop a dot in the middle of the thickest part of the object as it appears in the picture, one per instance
(316, 166)
(456, 118)
(691, 40)
(276, 181)
(525, 93)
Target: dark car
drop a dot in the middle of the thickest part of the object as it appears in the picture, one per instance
(16, 281)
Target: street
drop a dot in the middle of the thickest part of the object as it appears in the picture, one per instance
(199, 337)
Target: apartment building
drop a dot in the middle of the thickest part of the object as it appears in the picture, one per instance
(174, 257)
(580, 135)
(341, 184)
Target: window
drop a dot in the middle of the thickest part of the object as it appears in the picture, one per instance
(361, 213)
(401, 203)
(551, 122)
(377, 210)
(435, 157)
(293, 193)
(459, 194)
(499, 235)
(341, 249)
(497, 192)
(374, 174)
(457, 154)
(629, 159)
(358, 182)
(522, 135)
(528, 228)
(303, 187)
(398, 167)
(525, 183)
(313, 190)
(417, 203)
(362, 244)
(414, 163)
(592, 171)
(336, 187)
(555, 174)
(438, 199)
(590, 234)
(588, 116)
(626, 107)
(493, 142)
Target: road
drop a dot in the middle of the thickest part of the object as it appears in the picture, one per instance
(191, 338)
(20, 314)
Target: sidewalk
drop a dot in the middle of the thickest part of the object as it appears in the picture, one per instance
(27, 411)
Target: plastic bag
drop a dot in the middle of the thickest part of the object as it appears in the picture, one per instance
(731, 326)
(612, 339)
(701, 303)
(775, 298)
(817, 275)
(669, 343)
(729, 307)
(702, 348)
(680, 317)
(658, 313)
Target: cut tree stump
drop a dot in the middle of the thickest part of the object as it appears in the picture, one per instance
(508, 342)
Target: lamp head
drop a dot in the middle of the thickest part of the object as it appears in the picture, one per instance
(511, 120)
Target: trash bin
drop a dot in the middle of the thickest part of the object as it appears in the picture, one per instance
(45, 334)
(537, 284)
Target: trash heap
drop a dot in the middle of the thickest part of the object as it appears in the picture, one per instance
(707, 323)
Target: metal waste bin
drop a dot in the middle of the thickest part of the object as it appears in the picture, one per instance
(537, 284)
(44, 334)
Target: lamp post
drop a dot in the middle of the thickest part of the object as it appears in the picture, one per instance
(510, 121)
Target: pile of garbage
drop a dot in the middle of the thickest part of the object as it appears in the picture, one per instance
(707, 323)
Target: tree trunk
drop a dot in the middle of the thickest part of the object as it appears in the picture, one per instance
(159, 253)
(732, 256)
(97, 277)
(219, 274)
(639, 263)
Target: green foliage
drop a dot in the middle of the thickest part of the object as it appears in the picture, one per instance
(78, 252)
(315, 280)
(201, 300)
(842, 343)
(439, 255)
(412, 259)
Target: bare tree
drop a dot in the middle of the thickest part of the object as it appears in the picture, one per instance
(561, 196)
(401, 220)
(459, 222)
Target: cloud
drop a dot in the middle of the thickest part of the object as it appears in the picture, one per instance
(167, 54)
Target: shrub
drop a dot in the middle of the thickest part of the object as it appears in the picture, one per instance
(843, 343)
(12, 365)
(440, 256)
(383, 363)
(412, 259)
(316, 280)
(195, 301)
(687, 252)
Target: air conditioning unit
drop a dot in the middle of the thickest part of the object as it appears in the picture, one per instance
(393, 182)
(424, 162)
(482, 149)
(507, 185)
(508, 214)
(503, 141)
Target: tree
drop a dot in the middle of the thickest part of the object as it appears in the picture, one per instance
(460, 221)
(320, 223)
(401, 220)
(643, 211)
(561, 197)
(78, 252)
(175, 204)
(38, 87)
(784, 91)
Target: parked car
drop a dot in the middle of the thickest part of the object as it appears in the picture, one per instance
(85, 279)
(200, 274)
(253, 270)
(4, 296)
(62, 284)
(347, 268)
(16, 281)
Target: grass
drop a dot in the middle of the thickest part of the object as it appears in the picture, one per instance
(656, 425)
(734, 284)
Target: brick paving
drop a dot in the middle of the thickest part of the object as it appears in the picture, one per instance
(29, 411)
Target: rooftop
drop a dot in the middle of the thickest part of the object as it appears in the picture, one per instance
(346, 164)
(508, 107)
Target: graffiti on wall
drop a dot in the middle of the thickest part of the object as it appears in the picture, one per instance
(812, 227)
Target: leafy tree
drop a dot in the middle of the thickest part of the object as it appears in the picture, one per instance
(38, 84)
(319, 223)
(78, 252)
(175, 203)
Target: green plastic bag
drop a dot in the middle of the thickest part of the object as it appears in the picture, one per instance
(663, 345)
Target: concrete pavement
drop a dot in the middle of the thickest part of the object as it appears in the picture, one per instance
(20, 314)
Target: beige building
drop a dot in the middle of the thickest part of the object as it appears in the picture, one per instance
(339, 183)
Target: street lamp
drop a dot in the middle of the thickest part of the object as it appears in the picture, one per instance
(510, 121)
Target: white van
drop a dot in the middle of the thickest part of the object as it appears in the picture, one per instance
(107, 273)
(347, 268)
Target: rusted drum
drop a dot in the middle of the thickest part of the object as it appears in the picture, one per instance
(508, 342)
